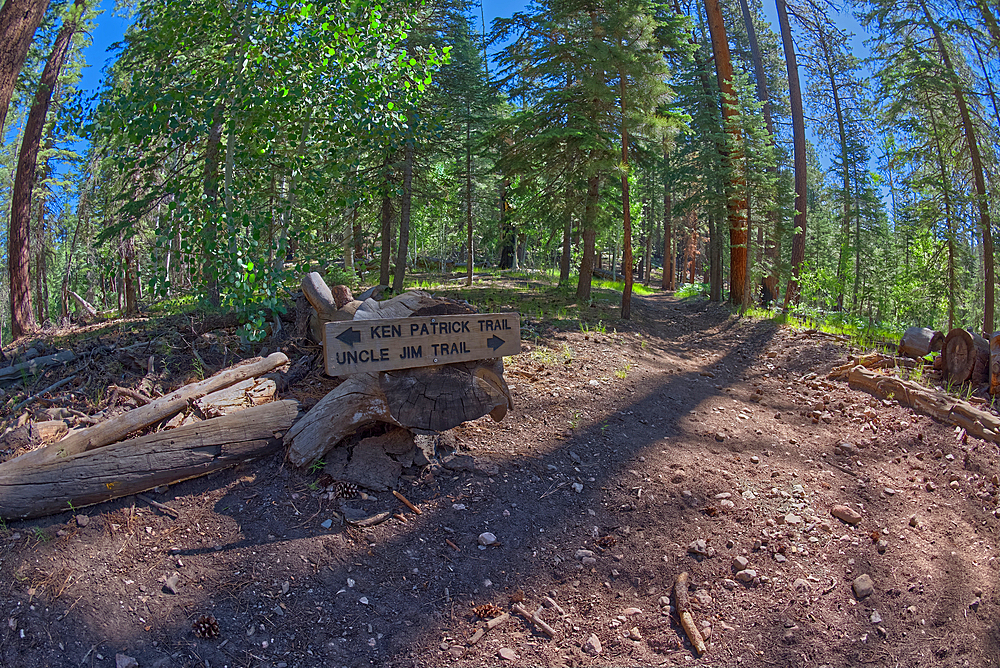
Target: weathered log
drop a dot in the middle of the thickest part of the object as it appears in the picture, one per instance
(85, 306)
(938, 405)
(318, 293)
(966, 357)
(995, 363)
(919, 341)
(35, 366)
(139, 464)
(433, 398)
(241, 396)
(119, 427)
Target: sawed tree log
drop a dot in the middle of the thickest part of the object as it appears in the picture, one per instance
(139, 464)
(919, 341)
(966, 357)
(120, 426)
(433, 398)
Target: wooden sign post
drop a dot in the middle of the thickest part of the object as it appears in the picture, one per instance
(402, 343)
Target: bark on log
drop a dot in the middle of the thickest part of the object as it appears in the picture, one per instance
(143, 463)
(995, 363)
(119, 427)
(940, 406)
(966, 357)
(919, 341)
(433, 398)
(33, 367)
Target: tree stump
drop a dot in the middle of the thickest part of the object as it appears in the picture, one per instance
(995, 363)
(432, 398)
(966, 357)
(919, 341)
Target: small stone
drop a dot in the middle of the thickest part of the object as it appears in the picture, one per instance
(583, 554)
(930, 487)
(82, 520)
(577, 487)
(593, 645)
(912, 610)
(802, 585)
(875, 617)
(740, 564)
(363, 600)
(780, 558)
(507, 654)
(882, 545)
(888, 491)
(125, 661)
(974, 606)
(792, 518)
(326, 524)
(723, 495)
(631, 612)
(726, 504)
(863, 586)
(846, 514)
(954, 484)
(913, 521)
(589, 561)
(698, 547)
(719, 436)
(486, 538)
(170, 584)
(634, 634)
(747, 575)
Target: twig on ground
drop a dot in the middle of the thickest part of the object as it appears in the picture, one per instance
(50, 388)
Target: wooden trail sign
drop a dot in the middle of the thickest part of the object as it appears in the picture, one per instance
(401, 343)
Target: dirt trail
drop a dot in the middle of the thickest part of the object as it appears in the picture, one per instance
(690, 440)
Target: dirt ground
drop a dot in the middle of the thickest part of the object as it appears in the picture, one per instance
(683, 442)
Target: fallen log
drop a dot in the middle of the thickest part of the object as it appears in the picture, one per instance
(88, 309)
(431, 398)
(245, 394)
(140, 464)
(966, 357)
(919, 341)
(938, 405)
(120, 426)
(35, 366)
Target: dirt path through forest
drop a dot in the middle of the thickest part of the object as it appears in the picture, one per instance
(694, 441)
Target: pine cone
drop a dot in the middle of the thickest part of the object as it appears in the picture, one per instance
(488, 611)
(206, 627)
(347, 490)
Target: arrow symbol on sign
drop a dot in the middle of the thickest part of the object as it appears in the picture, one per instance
(350, 336)
(494, 342)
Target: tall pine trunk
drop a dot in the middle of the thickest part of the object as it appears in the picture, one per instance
(18, 21)
(18, 249)
(982, 196)
(798, 151)
(736, 203)
(469, 255)
(404, 218)
(589, 237)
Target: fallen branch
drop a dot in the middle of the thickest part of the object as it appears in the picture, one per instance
(131, 394)
(35, 366)
(50, 388)
(156, 504)
(534, 619)
(119, 427)
(684, 612)
(406, 502)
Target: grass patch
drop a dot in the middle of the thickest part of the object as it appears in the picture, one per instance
(692, 290)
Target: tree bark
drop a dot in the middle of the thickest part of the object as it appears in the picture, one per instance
(626, 208)
(469, 254)
(404, 219)
(18, 249)
(589, 228)
(386, 217)
(18, 21)
(736, 202)
(799, 153)
(668, 242)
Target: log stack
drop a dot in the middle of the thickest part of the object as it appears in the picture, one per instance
(919, 341)
(95, 464)
(421, 400)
